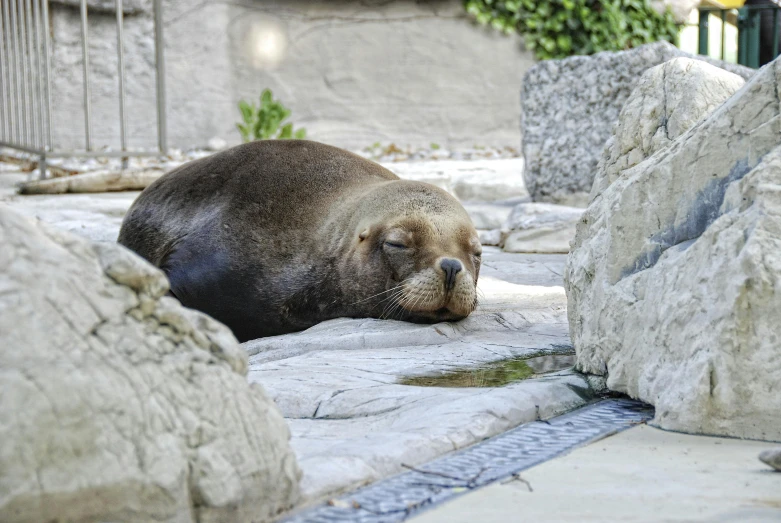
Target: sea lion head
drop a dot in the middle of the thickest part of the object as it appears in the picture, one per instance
(420, 254)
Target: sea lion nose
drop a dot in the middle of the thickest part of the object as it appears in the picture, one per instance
(451, 268)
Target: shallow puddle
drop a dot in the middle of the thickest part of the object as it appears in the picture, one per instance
(496, 373)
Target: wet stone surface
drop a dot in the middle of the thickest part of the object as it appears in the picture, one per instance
(497, 373)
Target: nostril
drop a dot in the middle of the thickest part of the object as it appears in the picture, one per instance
(451, 268)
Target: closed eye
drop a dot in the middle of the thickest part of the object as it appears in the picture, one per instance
(395, 245)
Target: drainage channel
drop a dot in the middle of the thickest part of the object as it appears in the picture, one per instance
(409, 493)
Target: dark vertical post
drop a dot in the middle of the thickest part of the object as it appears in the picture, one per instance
(723, 30)
(743, 36)
(776, 30)
(703, 32)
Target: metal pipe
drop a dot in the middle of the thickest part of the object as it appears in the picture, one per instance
(121, 65)
(85, 63)
(162, 138)
(47, 76)
(17, 81)
(5, 71)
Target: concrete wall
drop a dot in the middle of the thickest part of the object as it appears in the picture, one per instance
(353, 72)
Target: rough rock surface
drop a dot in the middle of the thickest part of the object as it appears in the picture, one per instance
(540, 227)
(117, 403)
(353, 422)
(772, 457)
(673, 282)
(569, 108)
(690, 91)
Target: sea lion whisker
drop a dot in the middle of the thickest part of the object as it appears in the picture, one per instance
(375, 295)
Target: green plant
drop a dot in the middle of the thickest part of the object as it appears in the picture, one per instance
(561, 28)
(264, 122)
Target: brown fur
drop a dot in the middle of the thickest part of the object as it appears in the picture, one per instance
(274, 236)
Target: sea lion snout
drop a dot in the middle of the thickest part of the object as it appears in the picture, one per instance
(451, 267)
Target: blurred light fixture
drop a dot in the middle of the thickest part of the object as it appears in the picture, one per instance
(268, 43)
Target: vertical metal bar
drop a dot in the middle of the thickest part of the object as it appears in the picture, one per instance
(703, 32)
(162, 138)
(85, 63)
(121, 66)
(32, 98)
(17, 80)
(6, 106)
(39, 94)
(723, 30)
(26, 76)
(776, 30)
(47, 77)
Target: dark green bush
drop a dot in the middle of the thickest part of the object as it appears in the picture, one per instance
(561, 28)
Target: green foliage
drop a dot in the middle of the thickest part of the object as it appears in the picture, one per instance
(561, 28)
(265, 121)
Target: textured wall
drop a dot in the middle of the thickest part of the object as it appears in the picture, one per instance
(353, 72)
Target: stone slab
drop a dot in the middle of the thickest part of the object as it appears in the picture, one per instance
(352, 423)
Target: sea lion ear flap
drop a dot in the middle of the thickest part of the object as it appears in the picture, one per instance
(364, 234)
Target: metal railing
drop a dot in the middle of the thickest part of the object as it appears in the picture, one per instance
(758, 32)
(26, 83)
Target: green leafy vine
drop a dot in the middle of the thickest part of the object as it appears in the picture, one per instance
(561, 28)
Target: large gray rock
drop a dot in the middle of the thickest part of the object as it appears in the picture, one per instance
(117, 403)
(669, 99)
(673, 282)
(569, 108)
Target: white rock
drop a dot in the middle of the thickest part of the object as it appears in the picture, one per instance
(490, 215)
(217, 144)
(679, 8)
(771, 457)
(648, 122)
(117, 403)
(492, 237)
(673, 282)
(540, 227)
(475, 180)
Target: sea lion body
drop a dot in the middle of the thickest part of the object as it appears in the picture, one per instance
(275, 236)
